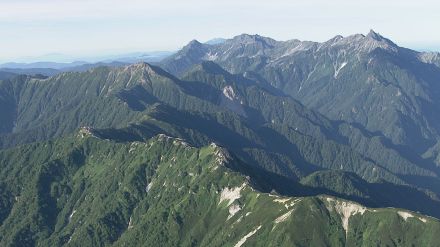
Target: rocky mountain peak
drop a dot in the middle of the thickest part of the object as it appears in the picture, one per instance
(249, 39)
(194, 43)
(373, 35)
(142, 66)
(192, 46)
(364, 43)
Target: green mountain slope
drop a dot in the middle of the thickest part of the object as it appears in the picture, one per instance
(198, 131)
(101, 97)
(165, 192)
(356, 146)
(259, 124)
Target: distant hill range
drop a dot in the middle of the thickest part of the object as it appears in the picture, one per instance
(8, 70)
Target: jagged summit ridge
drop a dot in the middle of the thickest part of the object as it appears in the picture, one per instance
(267, 50)
(141, 66)
(362, 43)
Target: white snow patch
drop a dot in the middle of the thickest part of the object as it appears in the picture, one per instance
(231, 101)
(405, 215)
(211, 56)
(339, 69)
(299, 47)
(238, 220)
(230, 194)
(243, 240)
(133, 147)
(229, 93)
(149, 186)
(346, 210)
(282, 200)
(354, 110)
(180, 142)
(71, 215)
(130, 223)
(283, 217)
(292, 203)
(233, 209)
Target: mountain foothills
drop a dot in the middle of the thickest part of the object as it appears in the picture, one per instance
(244, 141)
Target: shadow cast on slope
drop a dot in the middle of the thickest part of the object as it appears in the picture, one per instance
(379, 195)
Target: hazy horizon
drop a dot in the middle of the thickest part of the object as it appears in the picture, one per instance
(81, 29)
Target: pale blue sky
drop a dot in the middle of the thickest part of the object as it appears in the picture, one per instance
(97, 27)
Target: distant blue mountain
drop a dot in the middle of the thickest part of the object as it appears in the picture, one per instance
(40, 65)
(215, 41)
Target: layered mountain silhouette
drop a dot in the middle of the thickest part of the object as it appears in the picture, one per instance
(367, 80)
(341, 129)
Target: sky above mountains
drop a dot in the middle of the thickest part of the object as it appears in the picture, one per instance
(84, 28)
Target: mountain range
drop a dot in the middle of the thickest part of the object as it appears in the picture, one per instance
(383, 87)
(11, 69)
(253, 141)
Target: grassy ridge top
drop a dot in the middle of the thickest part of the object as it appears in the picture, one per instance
(165, 192)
